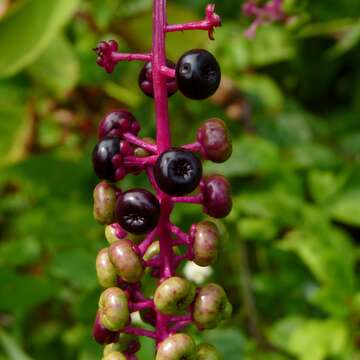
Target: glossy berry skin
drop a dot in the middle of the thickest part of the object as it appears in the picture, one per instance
(208, 352)
(177, 347)
(146, 80)
(137, 211)
(126, 343)
(214, 137)
(116, 355)
(103, 335)
(178, 172)
(105, 270)
(198, 74)
(217, 196)
(102, 156)
(116, 123)
(104, 203)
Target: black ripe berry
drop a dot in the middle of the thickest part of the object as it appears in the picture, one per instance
(102, 156)
(137, 211)
(146, 83)
(198, 74)
(178, 172)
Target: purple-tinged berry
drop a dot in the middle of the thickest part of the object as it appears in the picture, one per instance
(118, 122)
(113, 309)
(104, 203)
(177, 347)
(205, 243)
(103, 335)
(217, 196)
(208, 352)
(102, 157)
(198, 74)
(211, 307)
(146, 83)
(178, 172)
(174, 295)
(214, 137)
(127, 263)
(114, 233)
(105, 270)
(137, 211)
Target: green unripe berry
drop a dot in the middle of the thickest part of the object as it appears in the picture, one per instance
(104, 203)
(211, 306)
(113, 309)
(110, 234)
(208, 352)
(116, 355)
(174, 295)
(105, 270)
(152, 251)
(177, 347)
(126, 343)
(127, 263)
(206, 243)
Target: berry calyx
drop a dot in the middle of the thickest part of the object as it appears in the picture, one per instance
(137, 211)
(102, 157)
(198, 74)
(177, 347)
(178, 172)
(105, 270)
(205, 243)
(214, 137)
(127, 263)
(146, 83)
(104, 203)
(217, 196)
(116, 123)
(174, 295)
(103, 335)
(208, 352)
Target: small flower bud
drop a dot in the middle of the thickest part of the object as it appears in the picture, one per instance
(105, 270)
(127, 263)
(103, 335)
(104, 203)
(177, 347)
(211, 306)
(174, 295)
(217, 196)
(206, 243)
(208, 352)
(214, 137)
(113, 309)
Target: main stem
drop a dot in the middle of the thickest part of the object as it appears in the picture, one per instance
(163, 141)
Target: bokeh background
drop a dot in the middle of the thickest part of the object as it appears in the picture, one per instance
(291, 97)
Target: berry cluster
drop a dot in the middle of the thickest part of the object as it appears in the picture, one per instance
(141, 238)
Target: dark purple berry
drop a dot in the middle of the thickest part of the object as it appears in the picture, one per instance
(146, 80)
(178, 172)
(117, 123)
(214, 137)
(217, 196)
(103, 335)
(102, 157)
(137, 211)
(198, 74)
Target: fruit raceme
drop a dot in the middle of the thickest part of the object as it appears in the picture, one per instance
(141, 238)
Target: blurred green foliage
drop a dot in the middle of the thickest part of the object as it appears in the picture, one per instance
(291, 249)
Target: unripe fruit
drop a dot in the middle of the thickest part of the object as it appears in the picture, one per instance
(206, 243)
(126, 343)
(116, 355)
(198, 74)
(211, 306)
(114, 233)
(152, 251)
(116, 123)
(103, 335)
(178, 172)
(208, 352)
(113, 309)
(137, 211)
(217, 196)
(102, 157)
(105, 270)
(214, 137)
(146, 83)
(174, 295)
(177, 347)
(127, 263)
(104, 203)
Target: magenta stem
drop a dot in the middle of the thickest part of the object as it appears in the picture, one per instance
(180, 318)
(196, 146)
(181, 235)
(168, 72)
(180, 325)
(147, 242)
(140, 161)
(196, 199)
(117, 57)
(139, 332)
(141, 143)
(131, 357)
(149, 304)
(195, 25)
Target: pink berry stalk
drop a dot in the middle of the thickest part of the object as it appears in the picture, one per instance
(120, 267)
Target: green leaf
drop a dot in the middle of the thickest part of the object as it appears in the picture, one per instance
(28, 30)
(58, 76)
(11, 347)
(346, 208)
